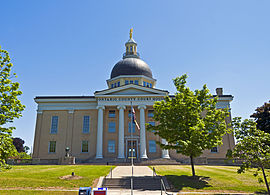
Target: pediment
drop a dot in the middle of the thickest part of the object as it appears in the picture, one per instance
(132, 90)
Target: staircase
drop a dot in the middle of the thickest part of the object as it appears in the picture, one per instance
(139, 183)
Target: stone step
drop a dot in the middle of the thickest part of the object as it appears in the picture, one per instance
(139, 183)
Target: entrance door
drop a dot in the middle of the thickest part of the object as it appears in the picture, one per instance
(130, 149)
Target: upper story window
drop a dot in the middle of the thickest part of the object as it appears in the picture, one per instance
(133, 127)
(150, 113)
(147, 84)
(136, 82)
(151, 85)
(111, 127)
(153, 124)
(131, 48)
(111, 113)
(152, 146)
(86, 124)
(126, 82)
(118, 84)
(131, 82)
(111, 85)
(144, 83)
(52, 146)
(84, 146)
(114, 85)
(54, 125)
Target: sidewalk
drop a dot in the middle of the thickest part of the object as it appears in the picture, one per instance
(125, 171)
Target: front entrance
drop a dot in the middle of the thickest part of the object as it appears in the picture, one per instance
(132, 148)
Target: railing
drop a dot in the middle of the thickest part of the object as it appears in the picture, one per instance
(110, 175)
(162, 185)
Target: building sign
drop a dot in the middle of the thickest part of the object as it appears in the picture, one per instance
(131, 99)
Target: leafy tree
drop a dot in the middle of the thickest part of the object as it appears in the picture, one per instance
(262, 117)
(251, 147)
(18, 143)
(10, 107)
(189, 121)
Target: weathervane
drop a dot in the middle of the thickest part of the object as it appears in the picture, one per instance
(130, 33)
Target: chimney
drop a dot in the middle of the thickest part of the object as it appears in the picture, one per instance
(219, 91)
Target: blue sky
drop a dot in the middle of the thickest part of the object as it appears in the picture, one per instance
(63, 47)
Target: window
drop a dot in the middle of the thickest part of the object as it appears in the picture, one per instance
(111, 128)
(153, 124)
(144, 83)
(136, 82)
(111, 146)
(118, 84)
(150, 113)
(129, 127)
(126, 82)
(214, 150)
(111, 113)
(84, 146)
(111, 85)
(150, 85)
(152, 146)
(147, 84)
(131, 82)
(52, 146)
(54, 125)
(131, 48)
(129, 113)
(86, 124)
(114, 85)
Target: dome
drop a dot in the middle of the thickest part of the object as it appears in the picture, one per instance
(131, 66)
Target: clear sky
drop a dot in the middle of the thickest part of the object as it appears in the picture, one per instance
(64, 47)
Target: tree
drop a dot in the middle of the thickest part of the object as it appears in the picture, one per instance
(18, 143)
(189, 121)
(10, 107)
(251, 147)
(262, 117)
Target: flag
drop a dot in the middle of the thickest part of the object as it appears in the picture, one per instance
(134, 118)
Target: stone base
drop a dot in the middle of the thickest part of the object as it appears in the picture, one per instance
(67, 161)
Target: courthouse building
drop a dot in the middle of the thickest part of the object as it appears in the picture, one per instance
(99, 126)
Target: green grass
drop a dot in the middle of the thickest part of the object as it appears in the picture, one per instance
(33, 192)
(47, 176)
(219, 178)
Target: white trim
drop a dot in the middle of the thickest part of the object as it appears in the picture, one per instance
(71, 100)
(131, 76)
(147, 89)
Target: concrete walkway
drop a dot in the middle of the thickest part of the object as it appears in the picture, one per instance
(125, 171)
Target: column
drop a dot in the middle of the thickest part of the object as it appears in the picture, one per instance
(69, 132)
(121, 139)
(100, 132)
(142, 132)
(165, 153)
(36, 150)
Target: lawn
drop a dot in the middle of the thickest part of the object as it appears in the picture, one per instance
(217, 178)
(29, 177)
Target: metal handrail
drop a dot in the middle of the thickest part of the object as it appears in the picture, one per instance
(162, 185)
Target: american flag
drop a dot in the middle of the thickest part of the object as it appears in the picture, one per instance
(134, 118)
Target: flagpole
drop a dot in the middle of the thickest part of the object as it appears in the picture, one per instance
(131, 181)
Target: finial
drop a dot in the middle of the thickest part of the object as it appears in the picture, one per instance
(130, 33)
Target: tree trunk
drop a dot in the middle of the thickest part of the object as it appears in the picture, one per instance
(265, 179)
(192, 166)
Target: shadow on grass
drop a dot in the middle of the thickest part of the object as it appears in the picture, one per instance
(261, 192)
(179, 182)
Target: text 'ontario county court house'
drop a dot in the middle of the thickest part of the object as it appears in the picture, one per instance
(99, 126)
